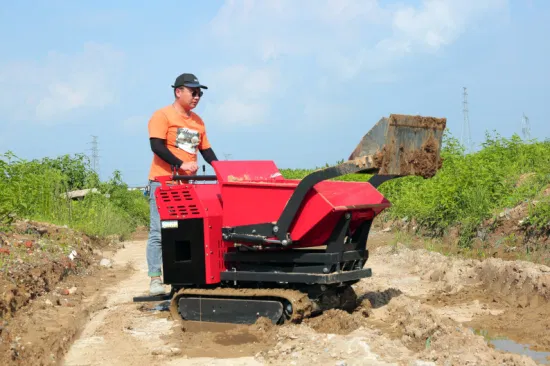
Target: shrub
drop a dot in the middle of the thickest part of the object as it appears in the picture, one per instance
(37, 190)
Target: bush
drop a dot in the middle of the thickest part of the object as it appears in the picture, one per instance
(27, 188)
(37, 190)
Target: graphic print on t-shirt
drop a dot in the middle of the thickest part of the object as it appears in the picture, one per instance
(187, 140)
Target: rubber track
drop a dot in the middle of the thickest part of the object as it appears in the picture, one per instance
(301, 304)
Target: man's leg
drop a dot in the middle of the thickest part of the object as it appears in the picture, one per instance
(154, 249)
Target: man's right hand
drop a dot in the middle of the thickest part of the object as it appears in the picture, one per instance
(191, 167)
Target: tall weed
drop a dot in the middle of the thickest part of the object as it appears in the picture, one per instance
(38, 190)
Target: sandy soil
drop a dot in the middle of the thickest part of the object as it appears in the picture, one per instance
(419, 308)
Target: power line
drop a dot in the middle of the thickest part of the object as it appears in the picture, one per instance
(466, 139)
(525, 127)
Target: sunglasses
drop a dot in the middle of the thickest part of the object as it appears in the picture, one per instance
(194, 93)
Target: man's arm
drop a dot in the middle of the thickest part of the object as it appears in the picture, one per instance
(158, 128)
(159, 148)
(208, 155)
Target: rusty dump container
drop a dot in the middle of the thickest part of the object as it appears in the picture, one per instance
(403, 145)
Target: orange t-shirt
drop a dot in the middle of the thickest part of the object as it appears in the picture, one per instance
(184, 137)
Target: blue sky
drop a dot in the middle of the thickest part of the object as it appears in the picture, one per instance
(297, 82)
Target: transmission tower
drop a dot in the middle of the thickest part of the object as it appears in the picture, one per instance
(466, 136)
(95, 155)
(525, 127)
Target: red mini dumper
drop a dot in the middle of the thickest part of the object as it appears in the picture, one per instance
(247, 243)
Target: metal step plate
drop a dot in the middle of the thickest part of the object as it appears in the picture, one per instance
(145, 298)
(225, 310)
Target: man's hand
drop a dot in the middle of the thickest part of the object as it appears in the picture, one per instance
(191, 167)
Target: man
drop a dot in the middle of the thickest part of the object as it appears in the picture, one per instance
(176, 135)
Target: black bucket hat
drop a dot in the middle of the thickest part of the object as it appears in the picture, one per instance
(188, 80)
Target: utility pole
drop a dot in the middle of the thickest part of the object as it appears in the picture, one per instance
(525, 127)
(95, 155)
(466, 136)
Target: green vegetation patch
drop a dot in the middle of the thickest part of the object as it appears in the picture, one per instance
(38, 190)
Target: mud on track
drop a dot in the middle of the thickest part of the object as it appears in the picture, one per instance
(419, 308)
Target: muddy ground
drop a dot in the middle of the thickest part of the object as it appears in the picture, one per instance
(419, 308)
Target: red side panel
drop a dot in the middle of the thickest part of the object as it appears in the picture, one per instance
(252, 203)
(202, 201)
(209, 196)
(320, 232)
(345, 196)
(213, 249)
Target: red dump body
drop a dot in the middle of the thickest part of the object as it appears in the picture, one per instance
(253, 192)
(260, 195)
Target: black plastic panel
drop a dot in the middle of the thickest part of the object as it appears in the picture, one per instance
(183, 253)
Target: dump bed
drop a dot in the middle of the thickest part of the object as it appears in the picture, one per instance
(248, 201)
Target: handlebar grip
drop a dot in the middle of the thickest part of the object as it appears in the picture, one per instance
(194, 177)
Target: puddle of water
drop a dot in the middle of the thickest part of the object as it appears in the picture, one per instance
(507, 345)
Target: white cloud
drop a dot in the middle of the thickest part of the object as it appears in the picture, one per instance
(245, 80)
(49, 89)
(233, 111)
(440, 22)
(346, 36)
(310, 48)
(246, 94)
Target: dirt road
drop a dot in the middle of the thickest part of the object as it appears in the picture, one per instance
(423, 309)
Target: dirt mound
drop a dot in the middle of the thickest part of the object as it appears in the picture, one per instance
(449, 274)
(30, 281)
(336, 322)
(521, 284)
(42, 331)
(35, 258)
(299, 345)
(441, 340)
(508, 298)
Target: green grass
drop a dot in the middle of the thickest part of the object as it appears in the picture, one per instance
(35, 190)
(470, 188)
